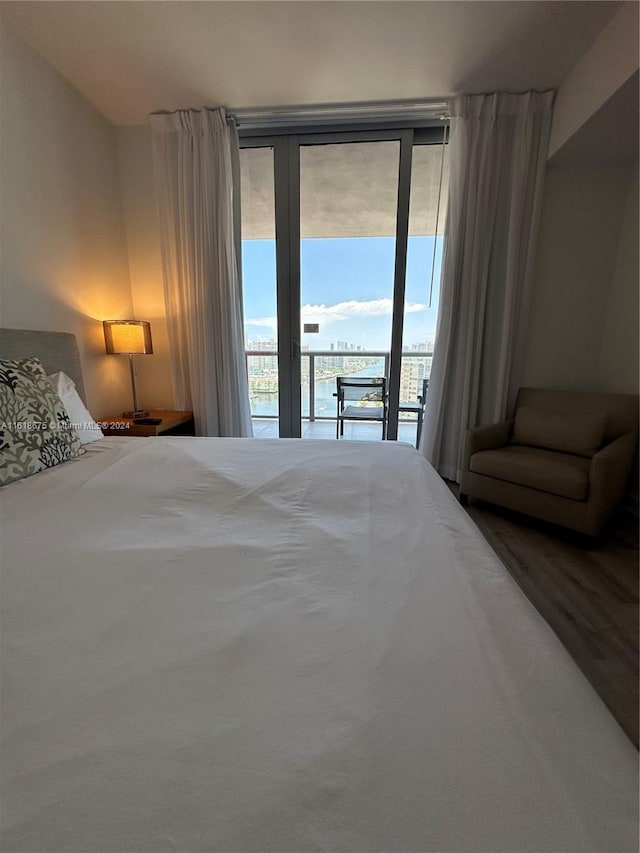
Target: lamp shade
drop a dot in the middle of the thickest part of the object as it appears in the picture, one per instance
(127, 336)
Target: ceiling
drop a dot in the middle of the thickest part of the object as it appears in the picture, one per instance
(348, 190)
(131, 58)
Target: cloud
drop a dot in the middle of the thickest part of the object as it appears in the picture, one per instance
(267, 322)
(343, 311)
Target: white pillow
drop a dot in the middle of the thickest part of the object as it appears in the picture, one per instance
(83, 423)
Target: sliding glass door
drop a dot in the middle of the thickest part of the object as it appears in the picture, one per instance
(259, 282)
(348, 199)
(326, 239)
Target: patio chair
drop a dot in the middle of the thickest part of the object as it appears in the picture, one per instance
(361, 398)
(417, 408)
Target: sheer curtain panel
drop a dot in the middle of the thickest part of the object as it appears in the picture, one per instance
(497, 157)
(193, 161)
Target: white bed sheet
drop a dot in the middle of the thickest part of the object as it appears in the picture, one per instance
(237, 645)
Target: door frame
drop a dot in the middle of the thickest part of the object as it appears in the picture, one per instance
(286, 157)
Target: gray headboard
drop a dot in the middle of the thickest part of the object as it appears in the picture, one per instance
(56, 351)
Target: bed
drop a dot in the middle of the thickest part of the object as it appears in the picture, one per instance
(284, 645)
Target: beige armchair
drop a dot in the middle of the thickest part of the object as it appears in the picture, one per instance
(565, 458)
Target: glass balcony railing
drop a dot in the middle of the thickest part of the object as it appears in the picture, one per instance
(319, 370)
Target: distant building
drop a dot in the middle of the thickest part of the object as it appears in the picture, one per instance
(412, 372)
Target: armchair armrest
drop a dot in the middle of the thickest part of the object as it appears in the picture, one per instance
(482, 438)
(485, 438)
(608, 477)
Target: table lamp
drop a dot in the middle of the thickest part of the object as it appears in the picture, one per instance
(129, 337)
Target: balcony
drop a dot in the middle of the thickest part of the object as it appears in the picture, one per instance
(319, 369)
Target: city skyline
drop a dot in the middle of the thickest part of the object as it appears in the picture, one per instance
(271, 345)
(347, 289)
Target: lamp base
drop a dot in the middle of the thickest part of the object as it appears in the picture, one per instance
(139, 413)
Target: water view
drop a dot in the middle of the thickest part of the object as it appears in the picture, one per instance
(266, 404)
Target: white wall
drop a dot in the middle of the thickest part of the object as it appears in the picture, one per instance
(143, 241)
(582, 330)
(63, 260)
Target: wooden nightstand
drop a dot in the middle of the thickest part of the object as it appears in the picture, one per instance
(172, 423)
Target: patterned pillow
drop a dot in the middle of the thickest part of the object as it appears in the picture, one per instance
(35, 430)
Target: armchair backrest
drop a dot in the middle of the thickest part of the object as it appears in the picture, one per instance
(621, 409)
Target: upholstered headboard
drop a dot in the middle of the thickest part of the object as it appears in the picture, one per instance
(56, 351)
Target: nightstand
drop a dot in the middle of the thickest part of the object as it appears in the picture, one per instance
(172, 423)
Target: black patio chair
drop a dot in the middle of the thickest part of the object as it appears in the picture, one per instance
(361, 398)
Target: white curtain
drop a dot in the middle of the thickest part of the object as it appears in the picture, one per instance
(193, 159)
(497, 155)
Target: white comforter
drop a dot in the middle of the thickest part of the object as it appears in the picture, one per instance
(236, 645)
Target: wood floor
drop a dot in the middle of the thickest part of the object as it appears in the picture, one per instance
(587, 591)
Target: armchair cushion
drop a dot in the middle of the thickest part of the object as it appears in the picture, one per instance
(545, 470)
(578, 433)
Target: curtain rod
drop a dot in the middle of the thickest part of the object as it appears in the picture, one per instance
(280, 116)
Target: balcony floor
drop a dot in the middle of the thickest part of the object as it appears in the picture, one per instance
(268, 428)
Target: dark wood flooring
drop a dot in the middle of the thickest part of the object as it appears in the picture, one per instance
(587, 591)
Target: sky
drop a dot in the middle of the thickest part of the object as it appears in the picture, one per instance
(346, 286)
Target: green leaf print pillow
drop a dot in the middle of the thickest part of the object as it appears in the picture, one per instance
(35, 431)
